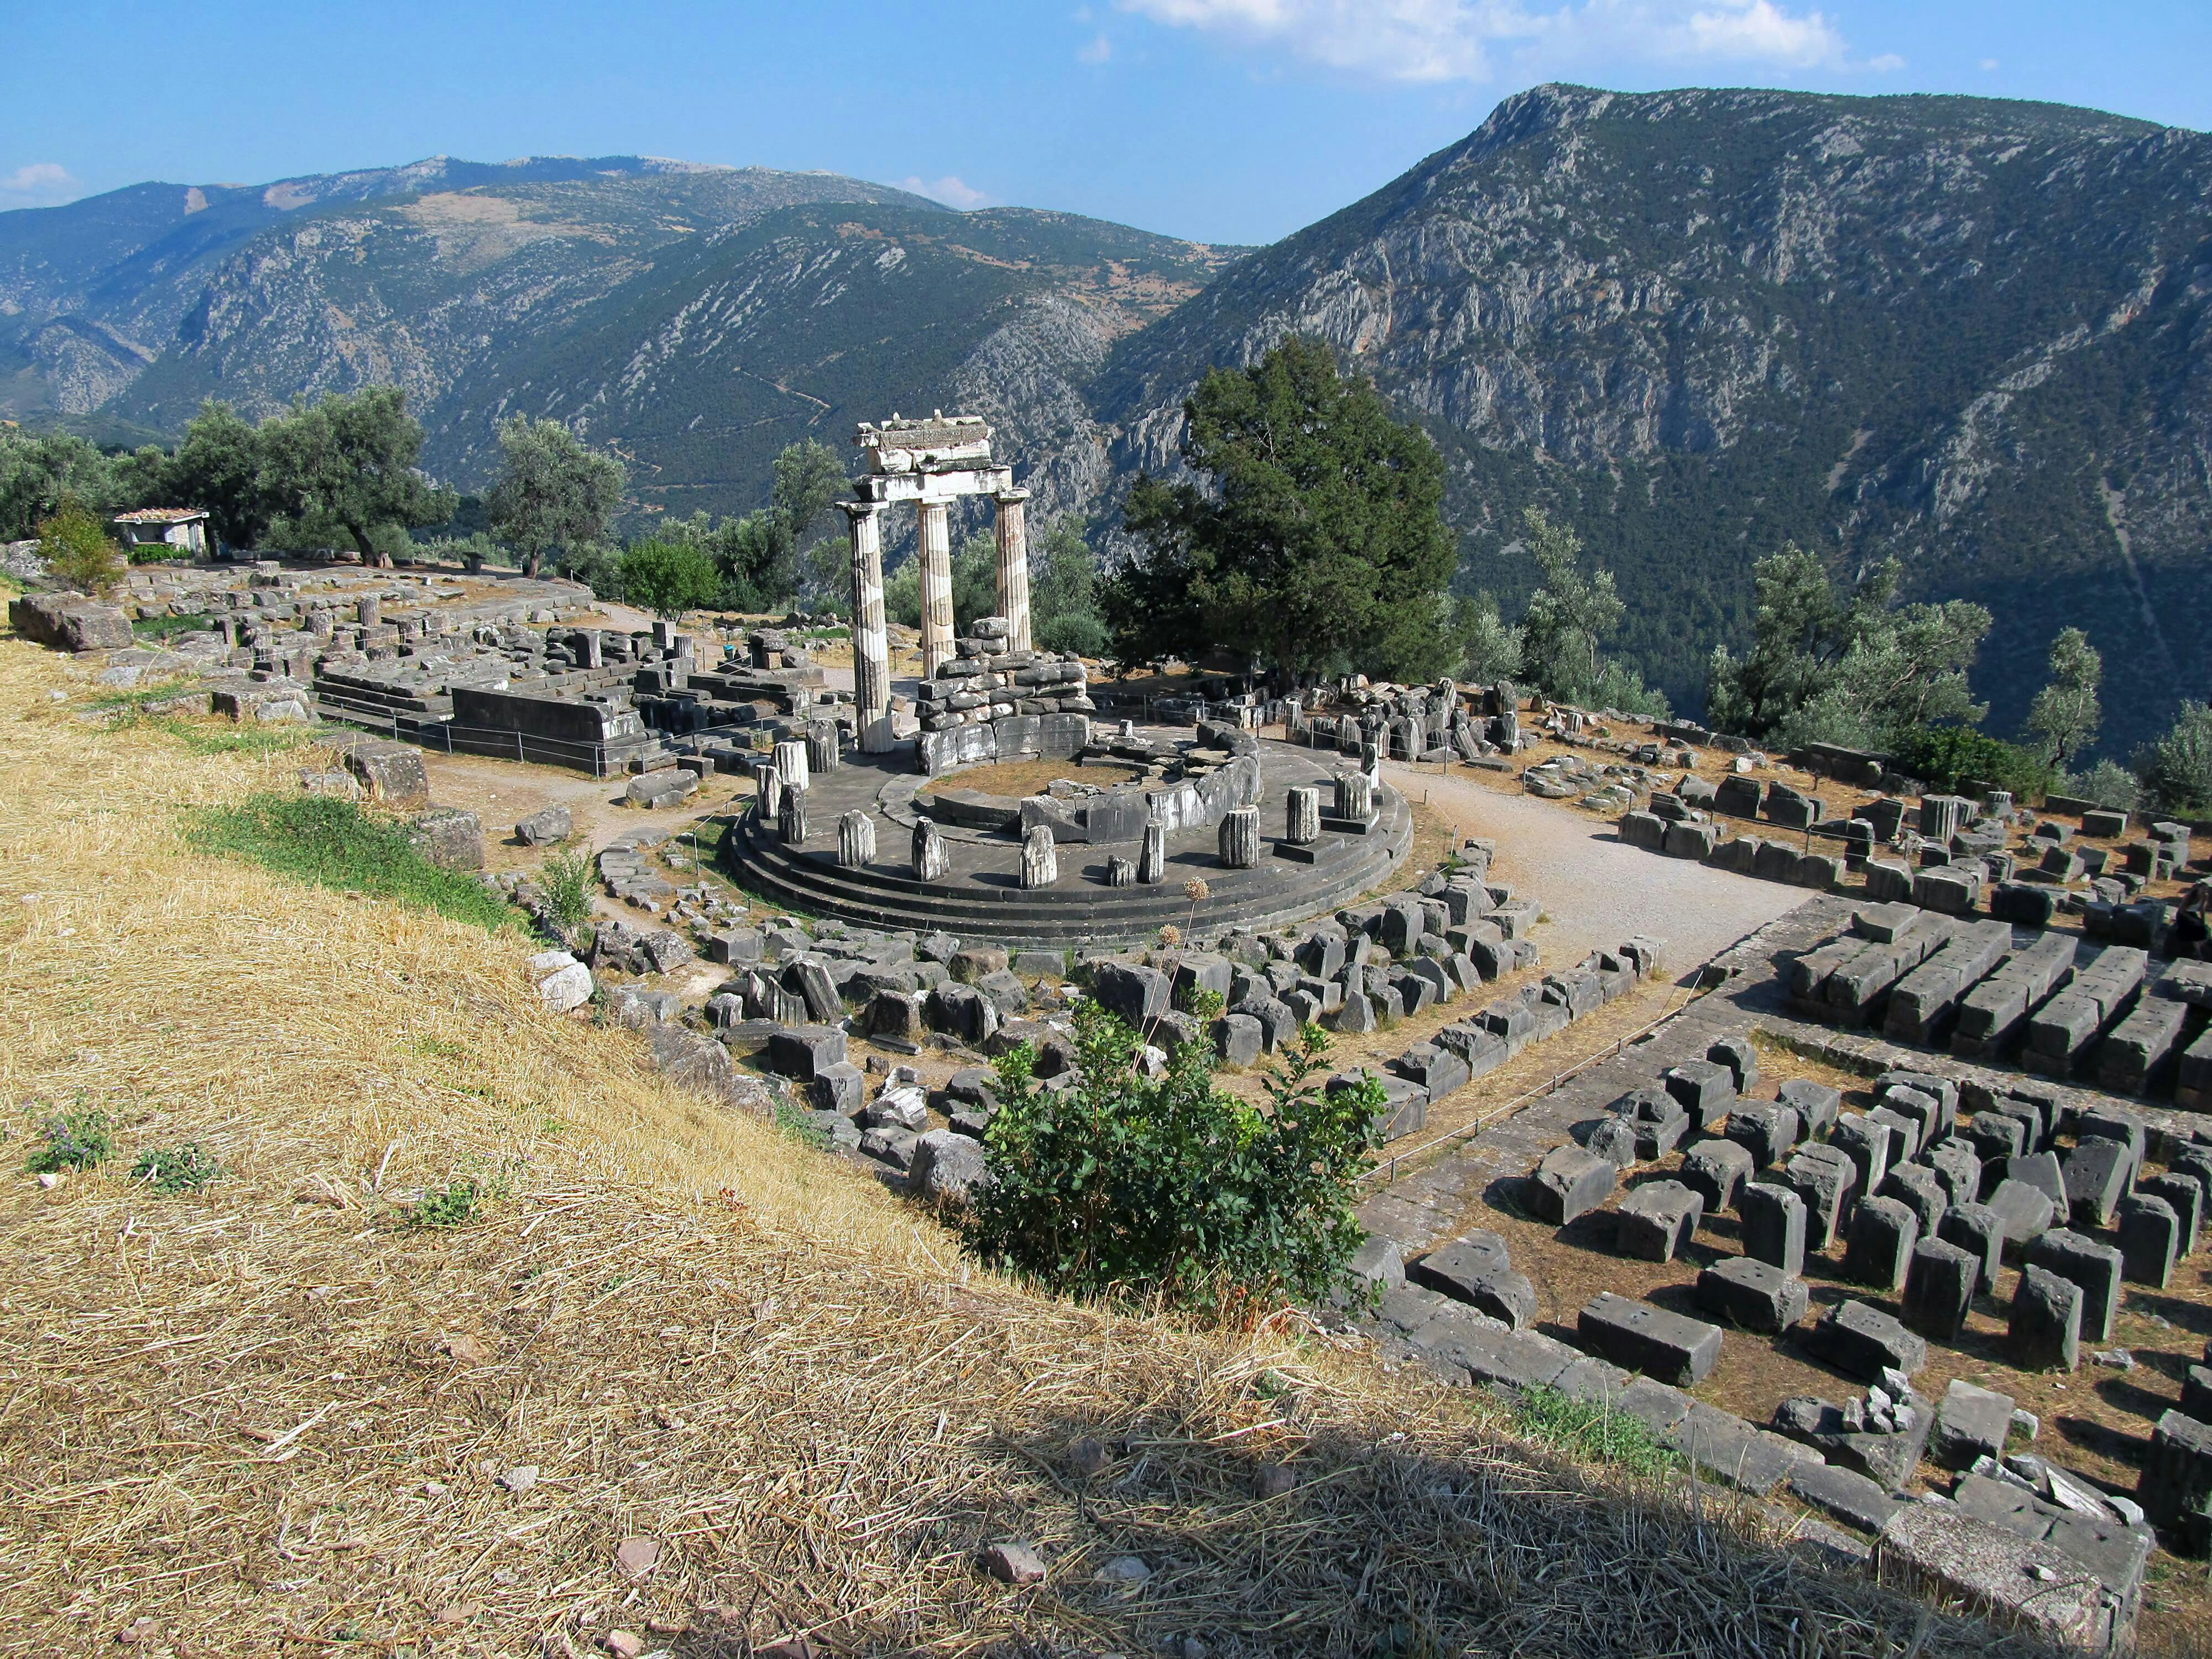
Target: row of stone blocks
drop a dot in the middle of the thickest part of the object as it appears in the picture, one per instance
(1465, 1311)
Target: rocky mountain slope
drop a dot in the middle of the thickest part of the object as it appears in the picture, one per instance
(261, 292)
(1970, 333)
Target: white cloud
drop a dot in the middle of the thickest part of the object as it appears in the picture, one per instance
(37, 184)
(1989, 62)
(1434, 41)
(951, 190)
(1889, 64)
(1098, 51)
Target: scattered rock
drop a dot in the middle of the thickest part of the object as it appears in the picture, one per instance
(1013, 1564)
(637, 1557)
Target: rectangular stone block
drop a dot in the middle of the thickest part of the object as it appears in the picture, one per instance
(1639, 1337)
(1862, 1342)
(1656, 1219)
(1753, 1295)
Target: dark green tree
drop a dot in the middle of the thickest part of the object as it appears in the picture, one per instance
(38, 471)
(1064, 614)
(218, 468)
(1569, 618)
(1321, 540)
(1489, 650)
(350, 460)
(760, 555)
(73, 542)
(668, 578)
(2175, 770)
(553, 494)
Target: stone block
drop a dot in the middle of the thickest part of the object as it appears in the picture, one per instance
(2023, 1210)
(1753, 1295)
(450, 837)
(1917, 1188)
(1716, 1171)
(1817, 1105)
(1995, 1573)
(2046, 1328)
(1862, 1342)
(1133, 994)
(2041, 1170)
(1825, 1180)
(1639, 1337)
(1773, 1219)
(2175, 1487)
(2097, 1172)
(1767, 1132)
(1885, 1449)
(1844, 1495)
(962, 1012)
(2150, 1238)
(805, 1052)
(1706, 1091)
(1939, 1289)
(1882, 1234)
(1656, 1219)
(2097, 1268)
(2116, 1123)
(2185, 1193)
(1473, 1270)
(1972, 1422)
(1568, 1183)
(1979, 1231)
(392, 774)
(1868, 1144)
(1742, 1060)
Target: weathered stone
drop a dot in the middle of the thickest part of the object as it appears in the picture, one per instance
(2097, 1172)
(2025, 1211)
(449, 836)
(1473, 1269)
(929, 861)
(2045, 1328)
(1939, 1289)
(1773, 1219)
(1656, 1219)
(856, 840)
(1994, 1572)
(803, 1052)
(1753, 1295)
(1716, 1170)
(1238, 838)
(2150, 1238)
(1916, 1187)
(543, 827)
(2097, 1268)
(1569, 1183)
(1767, 1132)
(1302, 816)
(1979, 1231)
(2175, 1487)
(1862, 1342)
(1816, 1105)
(1868, 1144)
(1706, 1091)
(1971, 1424)
(1639, 1337)
(1825, 1179)
(1883, 1232)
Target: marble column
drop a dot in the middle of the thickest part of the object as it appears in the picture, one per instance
(856, 840)
(936, 555)
(1239, 837)
(872, 652)
(1014, 567)
(1040, 858)
(1302, 816)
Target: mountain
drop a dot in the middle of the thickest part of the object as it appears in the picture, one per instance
(328, 277)
(1970, 333)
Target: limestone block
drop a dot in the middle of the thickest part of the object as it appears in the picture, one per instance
(2046, 1328)
(1656, 1219)
(1040, 858)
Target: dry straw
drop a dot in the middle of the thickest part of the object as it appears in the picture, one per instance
(268, 1417)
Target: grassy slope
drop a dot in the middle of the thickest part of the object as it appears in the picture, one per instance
(267, 1414)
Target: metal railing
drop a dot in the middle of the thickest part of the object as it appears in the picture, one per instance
(430, 732)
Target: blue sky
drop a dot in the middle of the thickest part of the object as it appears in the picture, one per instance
(1228, 120)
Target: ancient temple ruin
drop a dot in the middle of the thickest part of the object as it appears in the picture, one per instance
(932, 462)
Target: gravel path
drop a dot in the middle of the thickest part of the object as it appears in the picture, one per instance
(1596, 891)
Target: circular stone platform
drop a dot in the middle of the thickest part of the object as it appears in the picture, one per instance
(981, 896)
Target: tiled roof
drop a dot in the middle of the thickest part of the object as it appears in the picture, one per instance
(161, 515)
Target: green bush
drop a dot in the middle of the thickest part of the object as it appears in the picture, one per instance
(1122, 1187)
(2106, 784)
(1944, 757)
(171, 1169)
(158, 629)
(2176, 769)
(82, 1139)
(334, 843)
(566, 879)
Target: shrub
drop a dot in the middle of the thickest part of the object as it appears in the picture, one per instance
(1945, 756)
(2105, 784)
(159, 628)
(172, 1169)
(566, 881)
(2176, 769)
(1124, 1187)
(81, 1140)
(449, 1205)
(334, 843)
(77, 552)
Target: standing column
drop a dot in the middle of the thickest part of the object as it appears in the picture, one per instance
(872, 655)
(936, 556)
(1014, 567)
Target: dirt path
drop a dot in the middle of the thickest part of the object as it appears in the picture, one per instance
(1596, 891)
